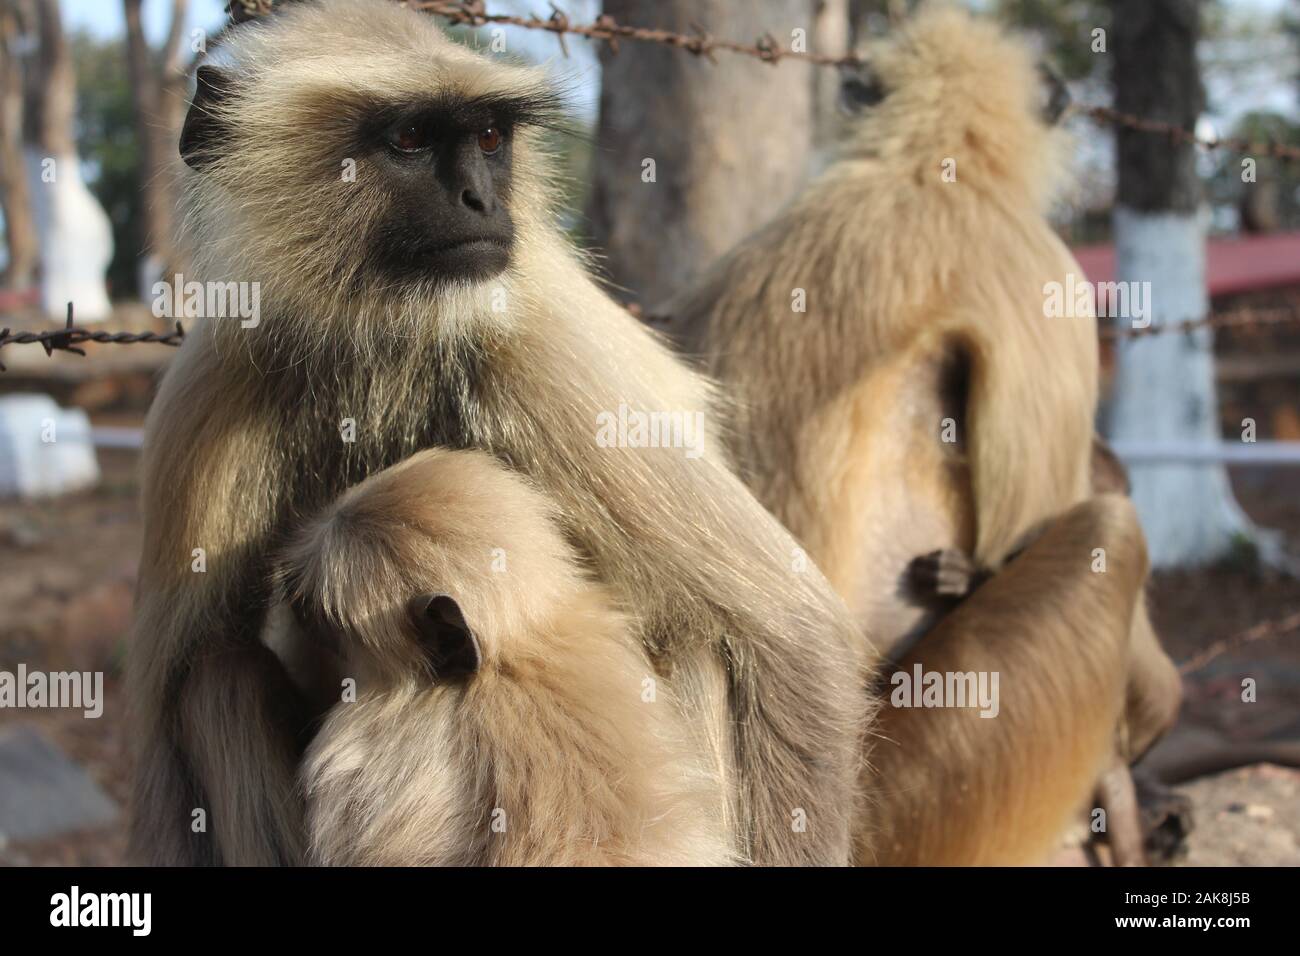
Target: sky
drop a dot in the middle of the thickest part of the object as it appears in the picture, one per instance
(578, 74)
(104, 19)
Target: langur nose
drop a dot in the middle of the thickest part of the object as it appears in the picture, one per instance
(474, 200)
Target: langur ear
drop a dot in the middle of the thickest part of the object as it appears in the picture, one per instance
(205, 131)
(1055, 95)
(451, 648)
(241, 11)
(860, 89)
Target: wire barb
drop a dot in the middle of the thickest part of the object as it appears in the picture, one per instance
(70, 336)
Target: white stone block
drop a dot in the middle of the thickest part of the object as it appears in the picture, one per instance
(44, 450)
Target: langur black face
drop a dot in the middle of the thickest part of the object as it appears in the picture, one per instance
(431, 196)
(448, 172)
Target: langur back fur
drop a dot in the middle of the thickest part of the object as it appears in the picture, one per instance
(389, 191)
(920, 256)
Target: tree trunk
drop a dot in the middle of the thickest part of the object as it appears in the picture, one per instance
(157, 85)
(693, 155)
(1164, 385)
(52, 85)
(22, 242)
(174, 93)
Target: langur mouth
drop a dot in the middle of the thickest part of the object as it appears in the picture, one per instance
(479, 242)
(478, 257)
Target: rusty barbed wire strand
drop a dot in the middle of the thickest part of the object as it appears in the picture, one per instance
(473, 13)
(1107, 116)
(1244, 318)
(1279, 627)
(70, 336)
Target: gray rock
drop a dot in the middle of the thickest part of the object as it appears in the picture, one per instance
(42, 792)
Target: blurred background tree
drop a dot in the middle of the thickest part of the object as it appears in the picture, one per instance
(22, 243)
(694, 154)
(111, 151)
(1065, 27)
(159, 88)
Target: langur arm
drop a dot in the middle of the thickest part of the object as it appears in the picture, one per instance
(218, 732)
(1118, 797)
(215, 723)
(798, 696)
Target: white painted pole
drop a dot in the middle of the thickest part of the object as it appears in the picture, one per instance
(1266, 453)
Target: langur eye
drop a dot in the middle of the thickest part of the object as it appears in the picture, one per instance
(489, 140)
(410, 139)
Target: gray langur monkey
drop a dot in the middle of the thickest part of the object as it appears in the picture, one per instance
(899, 392)
(389, 191)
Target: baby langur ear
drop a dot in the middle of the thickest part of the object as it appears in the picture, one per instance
(1056, 98)
(204, 132)
(860, 89)
(449, 645)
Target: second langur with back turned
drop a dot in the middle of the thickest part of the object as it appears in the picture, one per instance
(899, 391)
(389, 190)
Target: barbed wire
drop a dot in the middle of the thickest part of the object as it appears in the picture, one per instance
(70, 336)
(473, 13)
(1105, 115)
(1256, 632)
(1243, 318)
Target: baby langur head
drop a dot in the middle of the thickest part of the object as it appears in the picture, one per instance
(432, 571)
(347, 154)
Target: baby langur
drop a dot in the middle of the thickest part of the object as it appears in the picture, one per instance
(513, 706)
(1151, 703)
